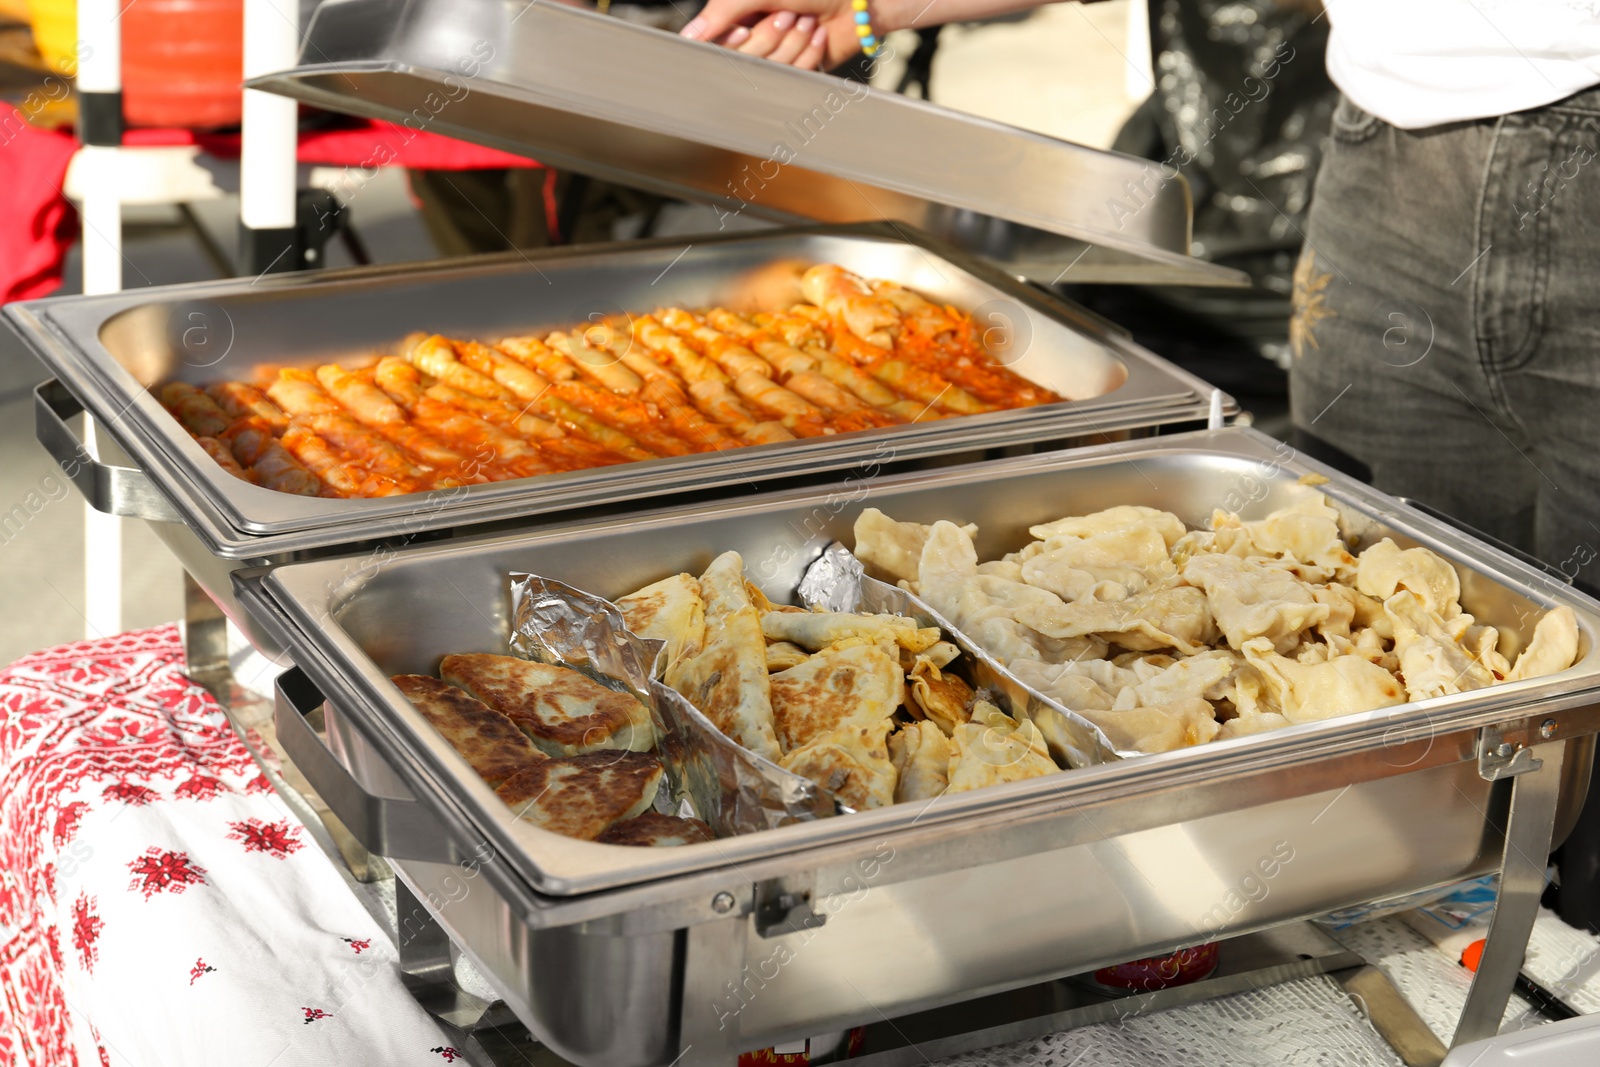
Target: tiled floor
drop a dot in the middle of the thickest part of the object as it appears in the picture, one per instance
(1062, 70)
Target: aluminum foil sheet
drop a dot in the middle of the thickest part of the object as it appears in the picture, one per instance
(838, 582)
(732, 789)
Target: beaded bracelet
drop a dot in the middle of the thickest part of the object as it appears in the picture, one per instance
(869, 42)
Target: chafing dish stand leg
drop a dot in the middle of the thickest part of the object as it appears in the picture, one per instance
(1535, 775)
(708, 1034)
(426, 964)
(205, 638)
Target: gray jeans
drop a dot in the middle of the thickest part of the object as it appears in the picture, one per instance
(1446, 325)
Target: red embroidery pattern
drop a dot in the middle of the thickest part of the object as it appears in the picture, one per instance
(162, 871)
(67, 823)
(274, 838)
(313, 1014)
(258, 784)
(200, 968)
(359, 944)
(52, 941)
(199, 787)
(450, 1055)
(74, 720)
(134, 795)
(86, 927)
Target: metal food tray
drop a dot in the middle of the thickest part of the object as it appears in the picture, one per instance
(650, 109)
(107, 351)
(621, 957)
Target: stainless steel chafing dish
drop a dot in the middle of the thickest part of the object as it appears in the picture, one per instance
(638, 958)
(618, 957)
(108, 350)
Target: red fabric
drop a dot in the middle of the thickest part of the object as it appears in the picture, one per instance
(38, 225)
(365, 144)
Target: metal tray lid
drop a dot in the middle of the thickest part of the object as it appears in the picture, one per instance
(650, 109)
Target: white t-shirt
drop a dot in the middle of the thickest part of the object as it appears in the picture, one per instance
(1416, 63)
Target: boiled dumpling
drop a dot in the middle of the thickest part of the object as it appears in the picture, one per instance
(1305, 692)
(1553, 648)
(1166, 618)
(892, 549)
(1168, 525)
(1158, 727)
(1432, 660)
(1193, 676)
(1250, 601)
(1385, 568)
(1306, 531)
(1249, 725)
(1071, 684)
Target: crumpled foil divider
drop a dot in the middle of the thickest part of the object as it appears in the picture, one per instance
(838, 582)
(734, 790)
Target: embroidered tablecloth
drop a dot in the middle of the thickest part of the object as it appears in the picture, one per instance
(159, 904)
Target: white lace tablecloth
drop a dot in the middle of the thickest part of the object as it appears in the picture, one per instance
(1312, 1021)
(1307, 1021)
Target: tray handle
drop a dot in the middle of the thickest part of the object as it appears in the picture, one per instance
(115, 490)
(398, 827)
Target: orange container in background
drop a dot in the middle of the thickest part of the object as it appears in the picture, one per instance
(182, 60)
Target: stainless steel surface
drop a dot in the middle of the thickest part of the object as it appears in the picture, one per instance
(1535, 793)
(391, 825)
(691, 120)
(109, 487)
(1393, 1017)
(595, 996)
(972, 895)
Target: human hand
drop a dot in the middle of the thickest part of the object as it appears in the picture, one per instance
(803, 33)
(783, 37)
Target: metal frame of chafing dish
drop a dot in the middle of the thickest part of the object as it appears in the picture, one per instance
(1511, 734)
(686, 119)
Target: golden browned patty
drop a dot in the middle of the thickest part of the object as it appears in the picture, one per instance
(584, 796)
(834, 688)
(655, 830)
(486, 739)
(565, 713)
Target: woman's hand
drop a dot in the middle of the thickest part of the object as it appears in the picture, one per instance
(810, 34)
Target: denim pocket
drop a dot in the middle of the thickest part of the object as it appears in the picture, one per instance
(1351, 124)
